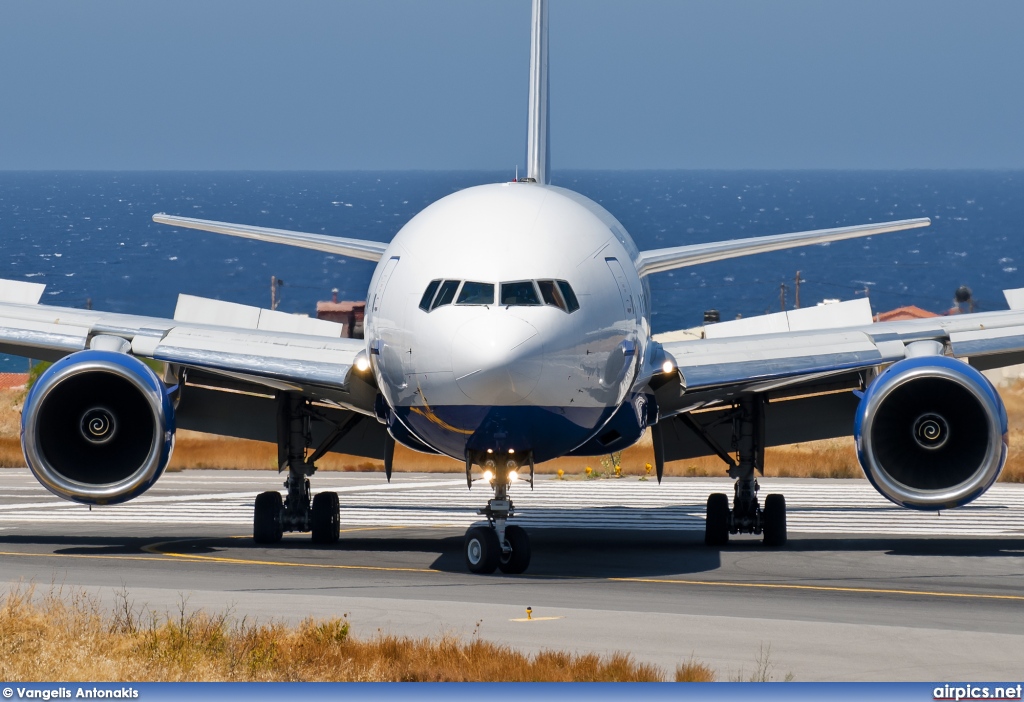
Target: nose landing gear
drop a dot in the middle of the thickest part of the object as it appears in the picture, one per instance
(499, 545)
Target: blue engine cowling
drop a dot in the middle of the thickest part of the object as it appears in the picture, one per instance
(931, 433)
(98, 427)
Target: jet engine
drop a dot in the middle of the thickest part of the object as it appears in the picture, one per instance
(98, 427)
(931, 433)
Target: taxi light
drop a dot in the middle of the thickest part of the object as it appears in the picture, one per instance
(490, 450)
(667, 367)
(362, 364)
(513, 476)
(511, 450)
(488, 475)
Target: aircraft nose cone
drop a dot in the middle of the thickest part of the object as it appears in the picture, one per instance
(497, 359)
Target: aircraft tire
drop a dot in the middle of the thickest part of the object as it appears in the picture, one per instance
(482, 550)
(266, 519)
(517, 560)
(716, 526)
(774, 515)
(326, 526)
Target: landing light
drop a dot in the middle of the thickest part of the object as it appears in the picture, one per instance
(667, 367)
(488, 475)
(511, 450)
(490, 450)
(513, 476)
(362, 364)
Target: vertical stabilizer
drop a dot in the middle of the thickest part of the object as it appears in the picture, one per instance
(537, 132)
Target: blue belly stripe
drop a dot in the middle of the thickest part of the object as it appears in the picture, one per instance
(549, 432)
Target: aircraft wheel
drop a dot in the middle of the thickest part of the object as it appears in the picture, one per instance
(517, 560)
(266, 519)
(716, 526)
(774, 517)
(326, 525)
(482, 550)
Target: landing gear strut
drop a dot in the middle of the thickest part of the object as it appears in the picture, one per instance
(746, 515)
(499, 545)
(298, 510)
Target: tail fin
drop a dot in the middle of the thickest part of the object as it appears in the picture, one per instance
(537, 159)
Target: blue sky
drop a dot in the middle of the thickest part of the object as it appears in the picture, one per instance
(408, 84)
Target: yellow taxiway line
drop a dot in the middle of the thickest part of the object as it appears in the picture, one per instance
(159, 555)
(822, 588)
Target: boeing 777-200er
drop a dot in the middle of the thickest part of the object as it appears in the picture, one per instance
(506, 325)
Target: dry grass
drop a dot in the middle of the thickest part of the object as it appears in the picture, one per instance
(694, 671)
(832, 458)
(68, 636)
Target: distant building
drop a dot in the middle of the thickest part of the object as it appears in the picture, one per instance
(348, 313)
(901, 314)
(13, 381)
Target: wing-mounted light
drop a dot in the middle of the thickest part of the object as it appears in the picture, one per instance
(361, 363)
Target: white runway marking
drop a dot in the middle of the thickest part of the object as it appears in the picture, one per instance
(815, 507)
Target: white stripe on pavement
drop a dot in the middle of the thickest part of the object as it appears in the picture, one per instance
(850, 506)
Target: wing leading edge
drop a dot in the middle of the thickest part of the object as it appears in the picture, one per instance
(658, 260)
(353, 248)
(711, 370)
(263, 353)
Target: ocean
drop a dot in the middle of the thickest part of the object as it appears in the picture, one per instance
(89, 236)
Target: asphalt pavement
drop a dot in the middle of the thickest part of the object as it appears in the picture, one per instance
(863, 590)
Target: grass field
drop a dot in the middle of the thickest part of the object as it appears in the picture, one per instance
(64, 635)
(833, 458)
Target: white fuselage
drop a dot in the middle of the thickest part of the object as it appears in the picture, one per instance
(526, 377)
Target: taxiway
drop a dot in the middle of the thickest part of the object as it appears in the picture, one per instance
(863, 591)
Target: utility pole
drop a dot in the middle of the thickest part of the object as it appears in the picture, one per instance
(275, 283)
(782, 296)
(796, 291)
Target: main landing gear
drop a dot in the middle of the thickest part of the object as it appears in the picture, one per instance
(499, 545)
(746, 516)
(298, 510)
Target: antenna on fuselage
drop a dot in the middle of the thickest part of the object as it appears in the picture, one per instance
(537, 130)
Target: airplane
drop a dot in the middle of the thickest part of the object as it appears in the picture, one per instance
(508, 324)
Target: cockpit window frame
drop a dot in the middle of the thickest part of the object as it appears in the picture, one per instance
(464, 287)
(552, 294)
(442, 292)
(428, 295)
(569, 295)
(533, 285)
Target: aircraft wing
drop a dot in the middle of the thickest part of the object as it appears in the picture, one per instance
(658, 260)
(725, 366)
(230, 361)
(353, 248)
(811, 377)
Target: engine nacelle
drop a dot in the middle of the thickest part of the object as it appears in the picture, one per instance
(931, 433)
(97, 427)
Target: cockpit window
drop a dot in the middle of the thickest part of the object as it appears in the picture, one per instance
(476, 294)
(428, 295)
(570, 297)
(446, 294)
(551, 294)
(556, 293)
(519, 293)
